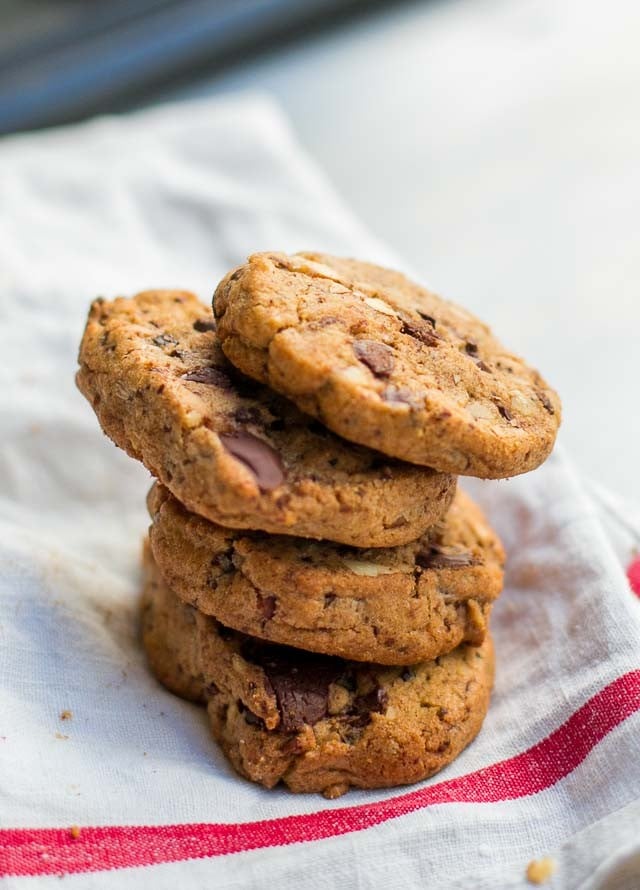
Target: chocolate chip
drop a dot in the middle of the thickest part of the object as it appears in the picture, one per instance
(434, 557)
(422, 332)
(376, 356)
(210, 376)
(204, 324)
(471, 347)
(407, 674)
(545, 401)
(263, 460)
(328, 599)
(212, 689)
(504, 412)
(251, 718)
(165, 340)
(301, 687)
(483, 366)
(266, 606)
(374, 702)
(429, 318)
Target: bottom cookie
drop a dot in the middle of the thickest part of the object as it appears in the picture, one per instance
(315, 723)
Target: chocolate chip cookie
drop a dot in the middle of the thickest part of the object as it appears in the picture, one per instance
(316, 723)
(387, 364)
(232, 450)
(391, 605)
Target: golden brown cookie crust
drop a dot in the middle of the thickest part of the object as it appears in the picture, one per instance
(385, 363)
(316, 724)
(390, 606)
(231, 450)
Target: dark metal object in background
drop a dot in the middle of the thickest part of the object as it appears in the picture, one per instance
(61, 59)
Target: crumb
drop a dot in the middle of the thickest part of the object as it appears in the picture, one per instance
(74, 831)
(66, 714)
(59, 735)
(540, 870)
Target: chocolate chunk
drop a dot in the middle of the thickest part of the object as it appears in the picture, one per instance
(165, 340)
(266, 606)
(211, 376)
(504, 412)
(251, 718)
(545, 401)
(422, 332)
(376, 356)
(301, 688)
(428, 318)
(263, 460)
(434, 557)
(204, 324)
(471, 347)
(374, 702)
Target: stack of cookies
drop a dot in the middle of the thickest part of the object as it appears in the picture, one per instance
(312, 575)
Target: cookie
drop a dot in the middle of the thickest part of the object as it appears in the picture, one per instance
(385, 363)
(312, 722)
(391, 605)
(232, 450)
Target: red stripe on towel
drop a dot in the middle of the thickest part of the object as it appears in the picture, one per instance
(633, 574)
(53, 851)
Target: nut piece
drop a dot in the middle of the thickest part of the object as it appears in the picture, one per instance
(540, 870)
(380, 306)
(370, 569)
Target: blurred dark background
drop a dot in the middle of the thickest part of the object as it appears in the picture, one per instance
(63, 59)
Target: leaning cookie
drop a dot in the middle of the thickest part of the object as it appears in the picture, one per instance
(391, 606)
(231, 450)
(385, 363)
(316, 723)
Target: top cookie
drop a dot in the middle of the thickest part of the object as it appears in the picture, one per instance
(385, 363)
(232, 450)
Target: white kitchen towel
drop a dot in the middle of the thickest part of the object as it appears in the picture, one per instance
(106, 779)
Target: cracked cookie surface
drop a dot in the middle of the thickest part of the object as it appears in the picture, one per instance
(316, 723)
(230, 449)
(391, 605)
(386, 363)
